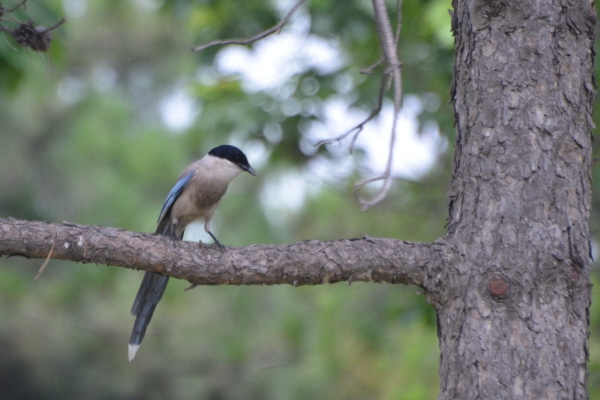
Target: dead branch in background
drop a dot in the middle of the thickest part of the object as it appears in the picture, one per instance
(276, 29)
(358, 128)
(391, 76)
(5, 11)
(393, 70)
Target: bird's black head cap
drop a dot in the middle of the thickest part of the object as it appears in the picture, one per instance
(234, 155)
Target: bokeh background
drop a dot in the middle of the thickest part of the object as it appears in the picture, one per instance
(96, 131)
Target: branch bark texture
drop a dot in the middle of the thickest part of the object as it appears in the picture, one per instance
(306, 263)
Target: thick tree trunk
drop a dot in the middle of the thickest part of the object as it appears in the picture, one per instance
(513, 318)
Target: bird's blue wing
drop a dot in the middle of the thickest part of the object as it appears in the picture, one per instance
(174, 194)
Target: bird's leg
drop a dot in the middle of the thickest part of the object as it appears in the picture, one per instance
(217, 244)
(173, 233)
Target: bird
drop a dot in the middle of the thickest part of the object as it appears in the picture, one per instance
(195, 196)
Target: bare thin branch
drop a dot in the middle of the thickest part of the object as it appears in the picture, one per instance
(374, 113)
(358, 128)
(371, 67)
(399, 18)
(389, 44)
(17, 6)
(59, 23)
(276, 29)
(386, 176)
(389, 49)
(391, 77)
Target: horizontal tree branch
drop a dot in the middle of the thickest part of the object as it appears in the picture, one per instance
(305, 263)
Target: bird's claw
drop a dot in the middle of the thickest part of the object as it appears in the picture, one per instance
(219, 246)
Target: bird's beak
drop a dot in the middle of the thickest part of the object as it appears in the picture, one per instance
(250, 170)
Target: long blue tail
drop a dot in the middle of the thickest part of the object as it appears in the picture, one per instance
(151, 291)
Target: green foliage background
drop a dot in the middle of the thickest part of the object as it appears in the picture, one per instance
(82, 141)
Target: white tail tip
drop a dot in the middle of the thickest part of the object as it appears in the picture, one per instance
(133, 348)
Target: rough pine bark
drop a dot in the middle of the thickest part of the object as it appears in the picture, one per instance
(514, 309)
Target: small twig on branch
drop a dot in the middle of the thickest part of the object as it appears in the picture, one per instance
(2, 10)
(371, 67)
(386, 176)
(358, 128)
(374, 113)
(43, 267)
(56, 25)
(276, 29)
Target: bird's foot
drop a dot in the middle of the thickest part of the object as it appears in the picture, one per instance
(218, 246)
